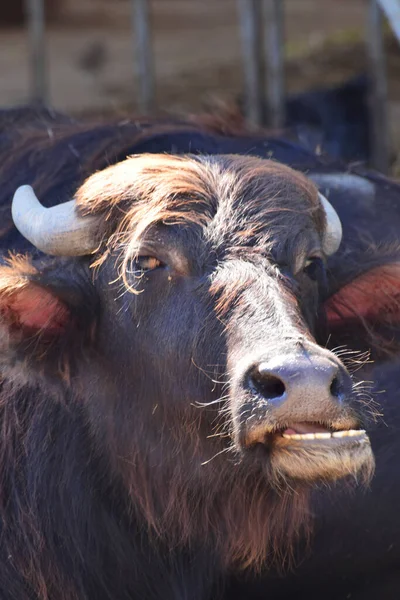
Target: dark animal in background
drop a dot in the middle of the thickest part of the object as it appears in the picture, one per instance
(168, 399)
(333, 120)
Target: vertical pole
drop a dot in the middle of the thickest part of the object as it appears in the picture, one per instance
(392, 10)
(273, 27)
(34, 10)
(144, 63)
(378, 93)
(250, 30)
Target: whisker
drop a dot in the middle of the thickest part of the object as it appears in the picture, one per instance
(218, 434)
(205, 404)
(215, 455)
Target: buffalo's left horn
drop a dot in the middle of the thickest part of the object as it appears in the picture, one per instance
(58, 230)
(333, 231)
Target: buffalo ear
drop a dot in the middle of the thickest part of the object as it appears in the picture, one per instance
(372, 299)
(32, 302)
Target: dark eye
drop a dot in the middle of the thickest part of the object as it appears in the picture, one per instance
(314, 268)
(147, 263)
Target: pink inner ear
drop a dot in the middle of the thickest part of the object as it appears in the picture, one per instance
(36, 309)
(374, 297)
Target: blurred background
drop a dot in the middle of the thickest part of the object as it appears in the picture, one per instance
(198, 56)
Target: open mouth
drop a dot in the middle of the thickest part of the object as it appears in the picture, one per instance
(306, 434)
(313, 452)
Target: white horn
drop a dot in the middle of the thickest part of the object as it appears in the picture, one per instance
(333, 231)
(57, 230)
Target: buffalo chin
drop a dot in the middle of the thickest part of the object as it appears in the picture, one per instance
(323, 460)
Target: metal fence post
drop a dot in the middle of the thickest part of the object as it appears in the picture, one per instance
(144, 63)
(34, 10)
(250, 30)
(378, 92)
(273, 28)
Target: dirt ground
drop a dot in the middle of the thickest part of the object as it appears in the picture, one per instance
(197, 54)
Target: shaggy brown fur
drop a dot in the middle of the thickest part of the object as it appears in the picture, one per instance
(142, 191)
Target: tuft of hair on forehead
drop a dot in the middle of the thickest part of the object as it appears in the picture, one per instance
(143, 190)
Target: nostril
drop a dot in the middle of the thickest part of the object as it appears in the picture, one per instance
(268, 386)
(336, 387)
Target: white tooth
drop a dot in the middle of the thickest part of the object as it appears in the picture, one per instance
(349, 433)
(322, 436)
(299, 436)
(356, 432)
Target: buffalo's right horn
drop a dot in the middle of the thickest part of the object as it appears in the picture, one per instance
(58, 230)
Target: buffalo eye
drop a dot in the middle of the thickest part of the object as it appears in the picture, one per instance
(314, 268)
(147, 263)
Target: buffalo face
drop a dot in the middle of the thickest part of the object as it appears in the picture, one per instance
(195, 357)
(218, 268)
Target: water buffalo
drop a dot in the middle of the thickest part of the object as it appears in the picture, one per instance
(169, 400)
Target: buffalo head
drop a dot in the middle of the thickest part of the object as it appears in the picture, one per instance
(180, 315)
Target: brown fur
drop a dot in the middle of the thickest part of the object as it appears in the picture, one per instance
(145, 190)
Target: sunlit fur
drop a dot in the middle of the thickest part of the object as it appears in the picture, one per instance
(238, 191)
